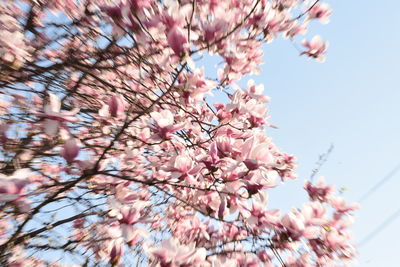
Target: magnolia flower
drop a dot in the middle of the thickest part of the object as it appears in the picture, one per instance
(129, 216)
(13, 47)
(71, 150)
(177, 40)
(54, 116)
(213, 30)
(257, 112)
(256, 91)
(296, 30)
(316, 48)
(335, 239)
(116, 251)
(132, 234)
(164, 122)
(258, 208)
(320, 191)
(260, 179)
(116, 106)
(294, 222)
(183, 168)
(340, 205)
(197, 85)
(172, 253)
(321, 12)
(11, 187)
(314, 213)
(256, 154)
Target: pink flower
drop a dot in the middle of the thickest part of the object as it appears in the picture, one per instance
(132, 234)
(258, 208)
(71, 150)
(172, 253)
(256, 154)
(116, 106)
(316, 48)
(13, 44)
(261, 179)
(54, 116)
(294, 223)
(320, 191)
(296, 30)
(129, 216)
(196, 85)
(177, 40)
(214, 29)
(321, 12)
(183, 167)
(340, 205)
(183, 164)
(314, 213)
(336, 240)
(164, 122)
(12, 188)
(140, 4)
(116, 251)
(256, 91)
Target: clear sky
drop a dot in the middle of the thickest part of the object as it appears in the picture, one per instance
(351, 101)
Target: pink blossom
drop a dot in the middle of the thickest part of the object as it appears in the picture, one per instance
(177, 40)
(213, 30)
(54, 117)
(256, 91)
(167, 176)
(314, 213)
(316, 48)
(294, 222)
(183, 168)
(196, 85)
(296, 30)
(71, 150)
(256, 154)
(14, 50)
(340, 205)
(116, 251)
(175, 254)
(164, 122)
(116, 106)
(12, 188)
(321, 12)
(320, 191)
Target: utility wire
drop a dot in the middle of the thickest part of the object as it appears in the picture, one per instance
(380, 228)
(380, 183)
(391, 218)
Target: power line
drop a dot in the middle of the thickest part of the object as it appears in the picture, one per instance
(391, 218)
(380, 228)
(380, 183)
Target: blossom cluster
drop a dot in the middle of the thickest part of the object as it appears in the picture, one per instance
(114, 150)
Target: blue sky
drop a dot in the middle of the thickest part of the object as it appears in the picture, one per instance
(351, 101)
